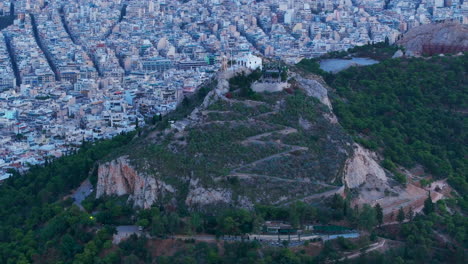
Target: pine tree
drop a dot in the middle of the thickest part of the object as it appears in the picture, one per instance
(428, 205)
(410, 214)
(379, 213)
(401, 215)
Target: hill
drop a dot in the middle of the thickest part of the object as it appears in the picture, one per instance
(228, 159)
(279, 148)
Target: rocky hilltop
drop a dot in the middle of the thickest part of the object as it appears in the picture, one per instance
(279, 148)
(431, 39)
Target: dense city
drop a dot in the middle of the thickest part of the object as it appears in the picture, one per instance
(82, 70)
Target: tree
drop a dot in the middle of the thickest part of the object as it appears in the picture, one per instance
(367, 217)
(428, 205)
(195, 222)
(229, 226)
(157, 227)
(401, 215)
(379, 213)
(69, 247)
(337, 201)
(410, 214)
(294, 217)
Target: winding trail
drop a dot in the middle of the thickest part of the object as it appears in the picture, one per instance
(277, 155)
(372, 247)
(286, 131)
(251, 175)
(257, 139)
(319, 195)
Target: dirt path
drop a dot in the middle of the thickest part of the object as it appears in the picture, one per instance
(319, 195)
(206, 112)
(300, 180)
(295, 148)
(257, 139)
(285, 131)
(372, 247)
(394, 223)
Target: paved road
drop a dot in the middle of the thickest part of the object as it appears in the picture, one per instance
(196, 237)
(269, 238)
(85, 189)
(124, 232)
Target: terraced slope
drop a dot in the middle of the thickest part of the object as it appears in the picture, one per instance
(240, 152)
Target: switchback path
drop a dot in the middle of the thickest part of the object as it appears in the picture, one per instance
(372, 247)
(319, 195)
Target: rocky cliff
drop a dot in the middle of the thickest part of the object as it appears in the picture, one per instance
(118, 178)
(362, 166)
(315, 89)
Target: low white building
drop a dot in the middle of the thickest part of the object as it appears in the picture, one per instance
(250, 61)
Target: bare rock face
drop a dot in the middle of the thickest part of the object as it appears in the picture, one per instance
(362, 166)
(315, 89)
(398, 54)
(204, 196)
(366, 178)
(443, 36)
(118, 177)
(199, 196)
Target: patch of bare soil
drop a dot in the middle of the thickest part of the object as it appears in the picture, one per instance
(164, 247)
(313, 249)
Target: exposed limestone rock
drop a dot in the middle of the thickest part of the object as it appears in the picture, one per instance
(315, 89)
(261, 87)
(118, 177)
(204, 196)
(398, 54)
(223, 86)
(304, 123)
(199, 196)
(450, 34)
(218, 93)
(369, 181)
(361, 166)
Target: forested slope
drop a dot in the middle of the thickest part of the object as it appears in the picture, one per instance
(413, 110)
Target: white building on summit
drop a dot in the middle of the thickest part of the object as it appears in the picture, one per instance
(250, 61)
